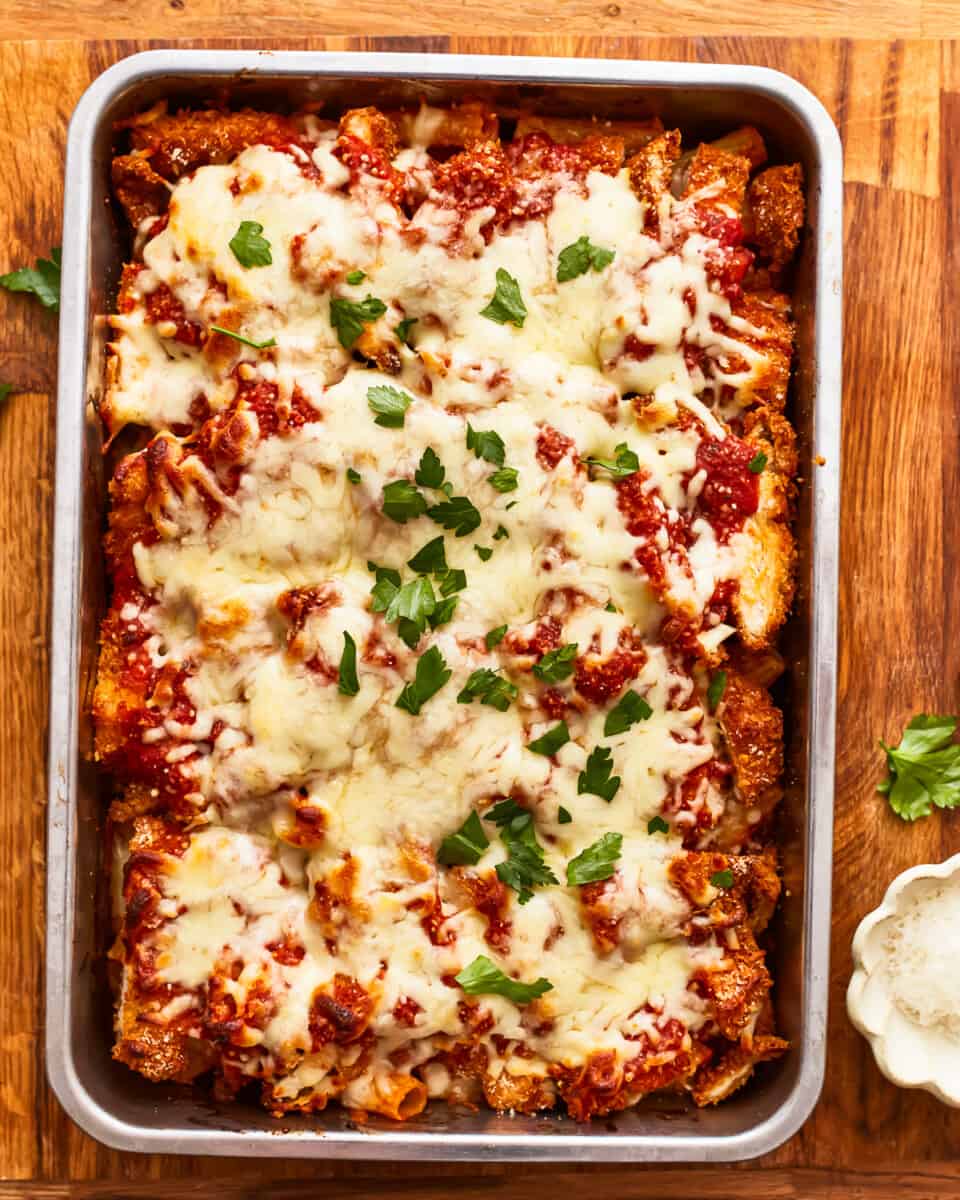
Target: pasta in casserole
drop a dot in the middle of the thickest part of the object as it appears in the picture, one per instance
(448, 555)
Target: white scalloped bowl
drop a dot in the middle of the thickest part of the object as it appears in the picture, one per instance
(909, 1053)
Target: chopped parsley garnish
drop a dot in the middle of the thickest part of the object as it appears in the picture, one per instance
(414, 600)
(249, 248)
(507, 305)
(626, 463)
(401, 501)
(500, 533)
(627, 711)
(429, 559)
(722, 879)
(581, 256)
(556, 664)
(924, 770)
(483, 978)
(348, 684)
(595, 778)
(657, 825)
(352, 475)
(348, 317)
(757, 463)
(505, 480)
(563, 816)
(356, 277)
(486, 444)
(403, 330)
(457, 513)
(452, 580)
(385, 588)
(465, 847)
(431, 675)
(390, 405)
(512, 504)
(443, 612)
(597, 862)
(524, 868)
(718, 685)
(430, 470)
(490, 688)
(495, 636)
(550, 742)
(238, 337)
(42, 281)
(610, 607)
(485, 552)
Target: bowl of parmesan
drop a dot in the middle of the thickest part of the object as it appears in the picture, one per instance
(904, 996)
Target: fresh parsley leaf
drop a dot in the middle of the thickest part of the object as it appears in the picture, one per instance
(352, 475)
(507, 305)
(718, 685)
(403, 330)
(489, 688)
(238, 337)
(500, 533)
(453, 580)
(348, 684)
(595, 779)
(429, 559)
(348, 317)
(384, 590)
(524, 868)
(482, 978)
(512, 504)
(457, 513)
(443, 612)
(504, 480)
(249, 248)
(563, 816)
(447, 489)
(610, 607)
(390, 404)
(757, 463)
(924, 770)
(415, 601)
(627, 711)
(431, 675)
(430, 471)
(485, 552)
(42, 281)
(597, 862)
(579, 257)
(465, 847)
(495, 636)
(626, 463)
(486, 444)
(722, 879)
(401, 501)
(657, 825)
(550, 742)
(390, 573)
(410, 631)
(556, 664)
(356, 277)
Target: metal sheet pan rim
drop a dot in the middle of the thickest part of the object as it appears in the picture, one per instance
(585, 1144)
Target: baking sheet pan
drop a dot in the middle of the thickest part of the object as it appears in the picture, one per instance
(114, 1104)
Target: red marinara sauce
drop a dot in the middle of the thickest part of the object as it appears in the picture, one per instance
(731, 492)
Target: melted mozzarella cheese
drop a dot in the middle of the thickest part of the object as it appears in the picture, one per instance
(380, 778)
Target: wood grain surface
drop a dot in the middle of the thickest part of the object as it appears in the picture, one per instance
(897, 104)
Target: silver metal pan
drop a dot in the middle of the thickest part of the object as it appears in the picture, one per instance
(114, 1104)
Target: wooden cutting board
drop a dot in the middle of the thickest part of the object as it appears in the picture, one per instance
(897, 104)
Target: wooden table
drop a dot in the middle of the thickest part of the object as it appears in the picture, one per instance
(896, 100)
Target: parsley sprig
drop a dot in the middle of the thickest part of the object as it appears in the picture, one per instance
(348, 317)
(624, 464)
(556, 664)
(924, 769)
(390, 405)
(597, 777)
(628, 710)
(431, 675)
(42, 281)
(249, 247)
(490, 688)
(524, 868)
(581, 256)
(507, 306)
(466, 847)
(484, 978)
(597, 862)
